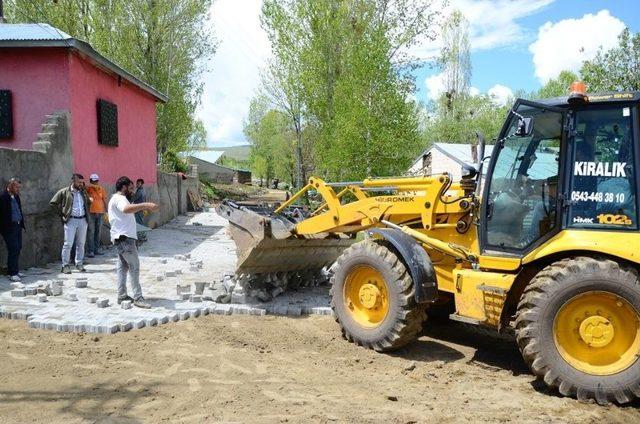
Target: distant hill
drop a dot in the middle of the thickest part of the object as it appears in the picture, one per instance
(239, 153)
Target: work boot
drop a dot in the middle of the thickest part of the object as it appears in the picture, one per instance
(141, 303)
(81, 268)
(66, 269)
(127, 297)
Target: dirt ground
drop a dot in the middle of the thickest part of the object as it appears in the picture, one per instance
(272, 369)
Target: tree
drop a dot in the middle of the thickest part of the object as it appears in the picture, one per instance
(165, 43)
(617, 69)
(350, 66)
(556, 87)
(268, 131)
(455, 60)
(474, 113)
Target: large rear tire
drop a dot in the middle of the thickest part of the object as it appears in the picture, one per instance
(578, 329)
(372, 296)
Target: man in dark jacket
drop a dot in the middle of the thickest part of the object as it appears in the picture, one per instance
(11, 226)
(72, 204)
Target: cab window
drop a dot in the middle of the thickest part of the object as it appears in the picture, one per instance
(522, 192)
(603, 175)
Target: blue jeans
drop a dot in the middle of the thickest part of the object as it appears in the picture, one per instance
(13, 240)
(93, 233)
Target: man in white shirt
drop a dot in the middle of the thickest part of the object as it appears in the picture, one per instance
(124, 236)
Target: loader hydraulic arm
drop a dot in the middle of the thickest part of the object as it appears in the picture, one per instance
(427, 203)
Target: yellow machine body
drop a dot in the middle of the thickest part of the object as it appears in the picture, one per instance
(420, 205)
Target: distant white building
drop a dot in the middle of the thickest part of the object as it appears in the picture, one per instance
(445, 157)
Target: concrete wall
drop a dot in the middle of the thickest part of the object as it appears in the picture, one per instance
(213, 172)
(39, 84)
(170, 193)
(43, 171)
(46, 168)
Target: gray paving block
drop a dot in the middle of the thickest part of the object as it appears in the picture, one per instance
(139, 323)
(103, 303)
(196, 298)
(72, 297)
(125, 326)
(18, 293)
(92, 299)
(164, 319)
(200, 286)
(126, 304)
(184, 296)
(185, 315)
(294, 310)
(183, 288)
(163, 261)
(56, 290)
(159, 277)
(42, 297)
(30, 291)
(151, 322)
(174, 316)
(81, 284)
(62, 327)
(178, 272)
(169, 274)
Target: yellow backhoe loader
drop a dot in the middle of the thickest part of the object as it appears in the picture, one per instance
(547, 242)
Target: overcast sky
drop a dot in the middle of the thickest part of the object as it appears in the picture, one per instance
(515, 45)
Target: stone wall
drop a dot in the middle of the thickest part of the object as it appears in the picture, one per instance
(42, 172)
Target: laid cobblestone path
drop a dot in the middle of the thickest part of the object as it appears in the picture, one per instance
(193, 252)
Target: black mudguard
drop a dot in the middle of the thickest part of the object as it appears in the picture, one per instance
(416, 259)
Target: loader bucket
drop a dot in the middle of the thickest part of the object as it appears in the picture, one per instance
(266, 242)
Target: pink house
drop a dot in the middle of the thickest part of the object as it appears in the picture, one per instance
(113, 113)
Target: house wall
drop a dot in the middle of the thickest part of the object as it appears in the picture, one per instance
(136, 154)
(442, 163)
(39, 82)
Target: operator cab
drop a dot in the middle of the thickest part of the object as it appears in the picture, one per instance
(561, 163)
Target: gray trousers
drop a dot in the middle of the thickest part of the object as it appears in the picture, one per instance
(128, 261)
(93, 234)
(75, 230)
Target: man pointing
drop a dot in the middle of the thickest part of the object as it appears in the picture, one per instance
(124, 236)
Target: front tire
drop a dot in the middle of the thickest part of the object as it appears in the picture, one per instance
(578, 329)
(372, 296)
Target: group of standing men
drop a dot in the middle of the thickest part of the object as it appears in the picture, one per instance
(82, 209)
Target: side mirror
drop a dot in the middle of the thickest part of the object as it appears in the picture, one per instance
(525, 126)
(468, 171)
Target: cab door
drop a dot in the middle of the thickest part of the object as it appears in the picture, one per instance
(521, 202)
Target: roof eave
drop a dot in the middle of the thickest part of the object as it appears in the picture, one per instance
(87, 50)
